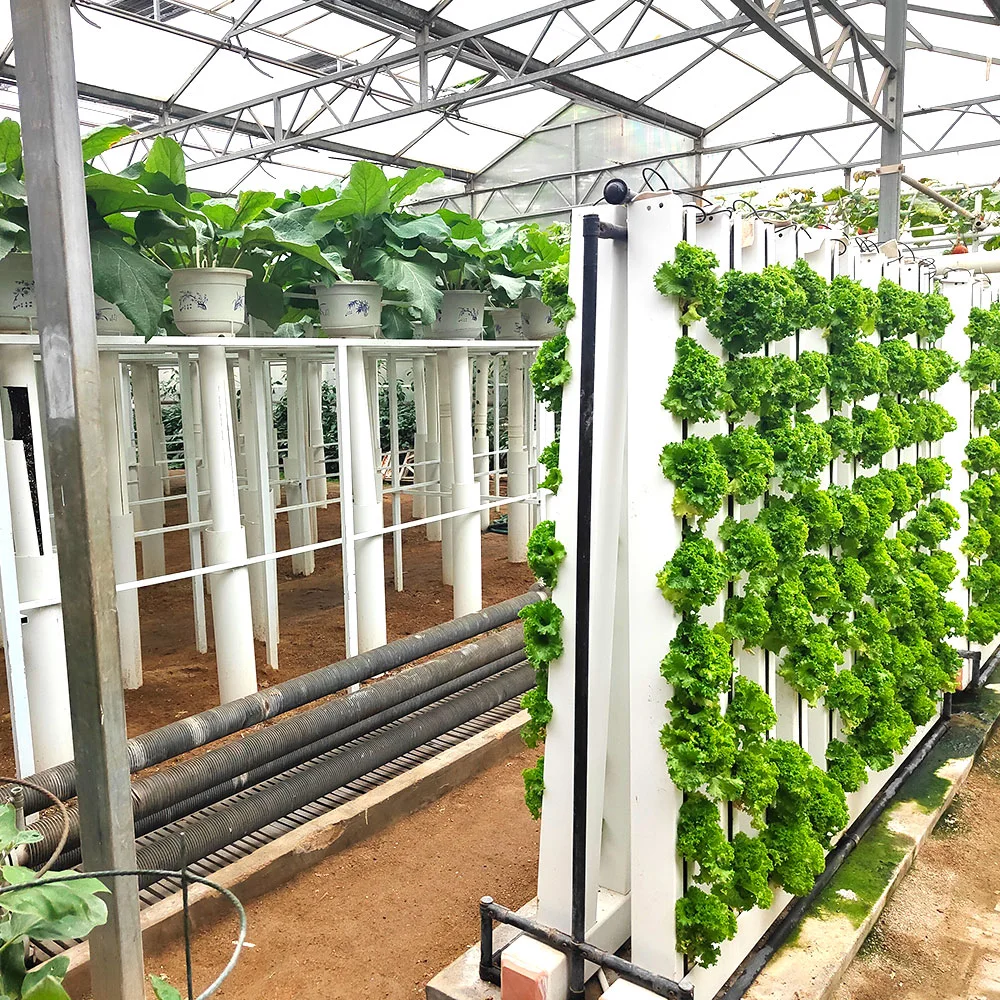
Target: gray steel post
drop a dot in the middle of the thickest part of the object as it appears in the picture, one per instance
(892, 108)
(65, 297)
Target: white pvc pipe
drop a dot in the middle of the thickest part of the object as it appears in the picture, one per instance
(299, 520)
(518, 515)
(232, 617)
(367, 507)
(316, 459)
(250, 498)
(432, 474)
(419, 438)
(446, 471)
(397, 536)
(150, 479)
(481, 441)
(467, 555)
(122, 521)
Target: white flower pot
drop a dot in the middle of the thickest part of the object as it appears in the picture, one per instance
(461, 316)
(111, 321)
(17, 294)
(536, 318)
(350, 308)
(507, 324)
(209, 301)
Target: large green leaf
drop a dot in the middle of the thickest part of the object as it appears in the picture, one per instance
(10, 835)
(512, 286)
(151, 228)
(11, 185)
(396, 324)
(251, 205)
(166, 157)
(411, 182)
(9, 233)
(10, 143)
(46, 989)
(103, 139)
(56, 968)
(133, 282)
(113, 193)
(162, 990)
(366, 194)
(50, 910)
(298, 232)
(417, 281)
(430, 229)
(265, 301)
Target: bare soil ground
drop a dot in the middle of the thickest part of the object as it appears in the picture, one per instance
(178, 681)
(380, 919)
(939, 936)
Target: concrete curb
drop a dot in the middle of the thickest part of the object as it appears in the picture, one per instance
(812, 963)
(281, 860)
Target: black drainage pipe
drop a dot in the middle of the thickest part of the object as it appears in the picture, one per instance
(790, 919)
(243, 815)
(303, 736)
(198, 730)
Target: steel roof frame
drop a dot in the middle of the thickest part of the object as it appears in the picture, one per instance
(409, 69)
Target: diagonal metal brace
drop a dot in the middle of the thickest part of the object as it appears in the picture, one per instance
(767, 23)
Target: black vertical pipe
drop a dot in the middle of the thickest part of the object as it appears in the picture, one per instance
(581, 672)
(485, 939)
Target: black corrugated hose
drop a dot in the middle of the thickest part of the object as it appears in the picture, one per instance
(179, 791)
(236, 818)
(198, 730)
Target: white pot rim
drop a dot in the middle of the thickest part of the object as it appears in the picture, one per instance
(179, 271)
(341, 284)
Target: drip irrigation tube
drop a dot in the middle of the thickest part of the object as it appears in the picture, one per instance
(188, 799)
(236, 818)
(790, 919)
(196, 731)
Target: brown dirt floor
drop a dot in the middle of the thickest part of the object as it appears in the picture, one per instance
(380, 919)
(939, 936)
(178, 681)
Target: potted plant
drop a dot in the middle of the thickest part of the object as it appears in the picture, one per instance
(129, 289)
(476, 270)
(543, 250)
(380, 248)
(222, 253)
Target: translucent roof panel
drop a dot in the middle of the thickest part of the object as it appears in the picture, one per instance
(297, 90)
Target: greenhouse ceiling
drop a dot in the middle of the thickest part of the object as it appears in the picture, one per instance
(713, 93)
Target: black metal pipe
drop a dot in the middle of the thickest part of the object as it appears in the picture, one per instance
(209, 796)
(570, 947)
(154, 793)
(581, 671)
(241, 815)
(198, 730)
(790, 919)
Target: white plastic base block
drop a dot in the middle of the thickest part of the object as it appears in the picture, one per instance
(530, 970)
(622, 990)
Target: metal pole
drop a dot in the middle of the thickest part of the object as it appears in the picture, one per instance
(54, 169)
(892, 107)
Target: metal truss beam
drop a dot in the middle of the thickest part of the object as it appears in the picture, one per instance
(158, 109)
(994, 7)
(865, 97)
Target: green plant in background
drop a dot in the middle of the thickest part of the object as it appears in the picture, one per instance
(550, 372)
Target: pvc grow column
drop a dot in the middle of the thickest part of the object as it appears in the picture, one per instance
(225, 541)
(146, 395)
(432, 473)
(518, 514)
(419, 439)
(369, 567)
(37, 566)
(467, 552)
(122, 520)
(481, 441)
(446, 469)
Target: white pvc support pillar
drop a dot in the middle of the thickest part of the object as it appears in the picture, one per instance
(316, 452)
(151, 515)
(225, 542)
(397, 535)
(122, 521)
(296, 492)
(419, 439)
(467, 550)
(518, 514)
(446, 469)
(367, 508)
(432, 475)
(37, 577)
(481, 440)
(191, 434)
